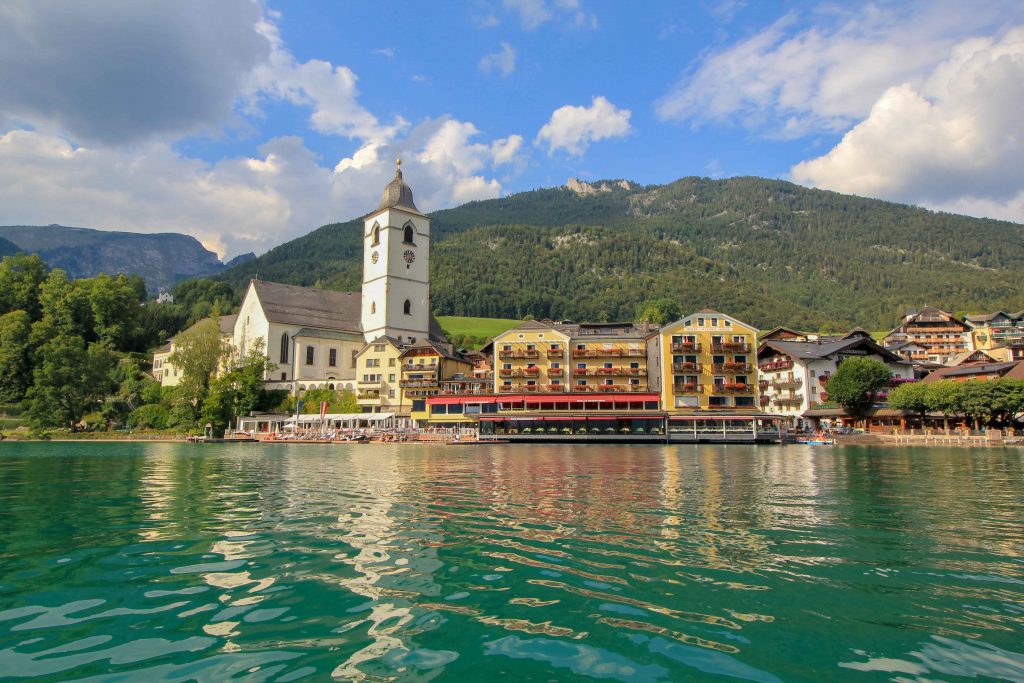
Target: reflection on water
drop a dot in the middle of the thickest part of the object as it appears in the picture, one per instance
(631, 563)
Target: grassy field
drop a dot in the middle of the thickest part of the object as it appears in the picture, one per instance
(476, 327)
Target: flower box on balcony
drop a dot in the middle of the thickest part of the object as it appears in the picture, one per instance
(579, 371)
(554, 372)
(581, 388)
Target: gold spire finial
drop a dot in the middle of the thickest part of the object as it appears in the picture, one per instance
(398, 162)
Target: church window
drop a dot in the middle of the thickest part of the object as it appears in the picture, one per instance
(408, 234)
(284, 376)
(407, 307)
(309, 355)
(284, 347)
(376, 235)
(332, 358)
(373, 307)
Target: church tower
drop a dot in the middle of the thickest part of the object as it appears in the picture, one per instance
(396, 267)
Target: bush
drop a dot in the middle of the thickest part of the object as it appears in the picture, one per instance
(152, 416)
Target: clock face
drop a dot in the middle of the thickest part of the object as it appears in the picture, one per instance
(374, 256)
(409, 256)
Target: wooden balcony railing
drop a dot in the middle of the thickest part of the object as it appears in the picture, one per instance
(787, 382)
(776, 365)
(519, 353)
(686, 367)
(685, 347)
(582, 388)
(608, 353)
(555, 353)
(731, 347)
(686, 388)
(734, 388)
(731, 368)
(419, 367)
(555, 372)
(417, 383)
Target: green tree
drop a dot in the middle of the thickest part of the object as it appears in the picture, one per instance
(660, 311)
(197, 353)
(150, 416)
(856, 383)
(238, 391)
(912, 397)
(946, 397)
(115, 307)
(70, 380)
(15, 359)
(20, 277)
(343, 401)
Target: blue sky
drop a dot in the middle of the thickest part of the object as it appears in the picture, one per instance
(249, 123)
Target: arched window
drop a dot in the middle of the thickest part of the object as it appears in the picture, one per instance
(373, 307)
(407, 307)
(376, 235)
(284, 347)
(408, 233)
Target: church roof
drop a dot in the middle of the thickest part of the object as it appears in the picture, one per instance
(309, 307)
(398, 195)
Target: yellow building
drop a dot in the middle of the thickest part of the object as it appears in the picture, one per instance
(424, 368)
(548, 357)
(378, 370)
(999, 334)
(708, 363)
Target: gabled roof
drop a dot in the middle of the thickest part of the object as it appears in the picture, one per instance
(440, 348)
(961, 358)
(816, 350)
(977, 369)
(308, 306)
(782, 333)
(226, 323)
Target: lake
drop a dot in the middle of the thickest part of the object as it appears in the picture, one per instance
(173, 562)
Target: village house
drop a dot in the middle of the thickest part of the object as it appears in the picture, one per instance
(999, 334)
(939, 333)
(793, 374)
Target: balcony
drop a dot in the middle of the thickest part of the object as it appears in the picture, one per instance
(764, 400)
(731, 368)
(582, 388)
(420, 367)
(555, 372)
(686, 367)
(529, 388)
(582, 372)
(734, 388)
(609, 353)
(418, 383)
(554, 388)
(367, 395)
(635, 388)
(555, 353)
(369, 383)
(787, 383)
(731, 347)
(686, 347)
(519, 353)
(609, 387)
(507, 390)
(796, 399)
(531, 372)
(686, 388)
(776, 365)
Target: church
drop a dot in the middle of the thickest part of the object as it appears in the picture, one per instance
(319, 338)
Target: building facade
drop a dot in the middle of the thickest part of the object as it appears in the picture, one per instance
(999, 334)
(708, 363)
(939, 332)
(793, 374)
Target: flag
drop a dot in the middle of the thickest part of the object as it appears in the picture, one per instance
(323, 409)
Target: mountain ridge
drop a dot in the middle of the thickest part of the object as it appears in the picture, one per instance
(162, 259)
(767, 251)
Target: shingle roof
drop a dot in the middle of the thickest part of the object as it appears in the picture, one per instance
(1001, 369)
(309, 307)
(817, 350)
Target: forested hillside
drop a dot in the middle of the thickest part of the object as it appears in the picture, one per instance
(766, 251)
(7, 248)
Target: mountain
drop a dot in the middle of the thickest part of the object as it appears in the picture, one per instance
(7, 248)
(162, 259)
(766, 251)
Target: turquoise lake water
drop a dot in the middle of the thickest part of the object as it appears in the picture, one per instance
(160, 562)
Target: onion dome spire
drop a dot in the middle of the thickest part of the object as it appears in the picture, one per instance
(397, 194)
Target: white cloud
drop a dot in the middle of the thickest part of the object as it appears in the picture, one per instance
(502, 61)
(533, 13)
(506, 150)
(955, 142)
(238, 204)
(122, 71)
(388, 52)
(574, 128)
(328, 89)
(794, 78)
